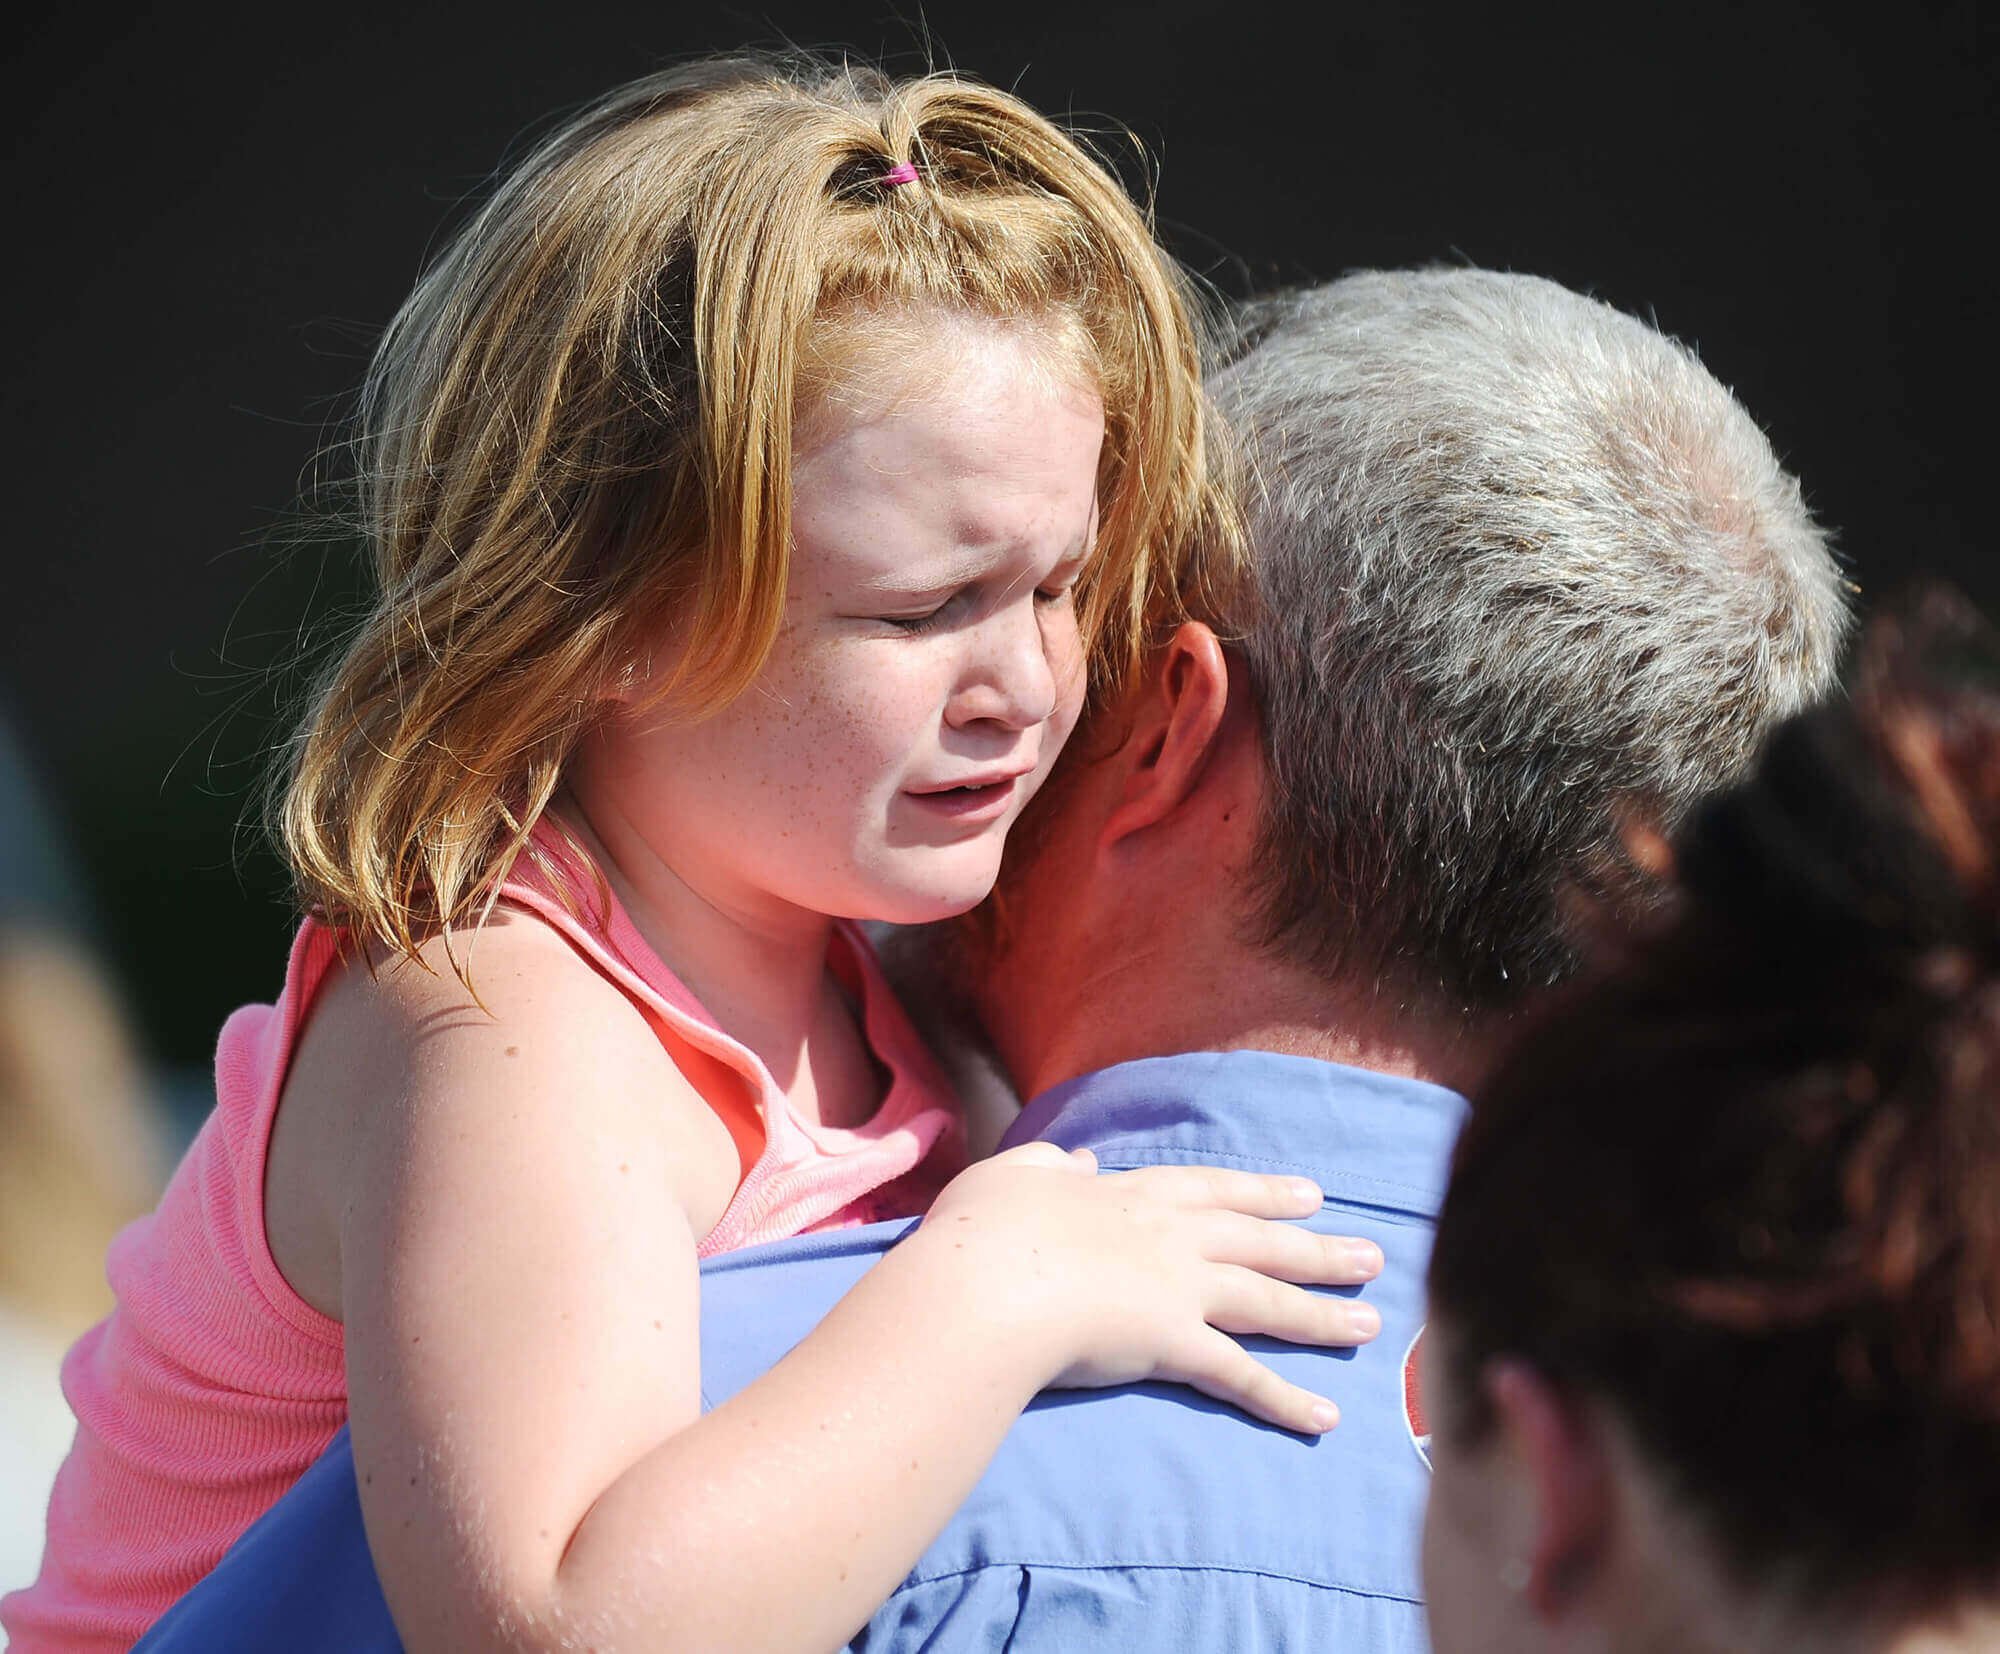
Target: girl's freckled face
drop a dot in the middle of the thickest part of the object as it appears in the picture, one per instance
(928, 668)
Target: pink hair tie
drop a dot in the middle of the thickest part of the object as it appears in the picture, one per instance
(901, 173)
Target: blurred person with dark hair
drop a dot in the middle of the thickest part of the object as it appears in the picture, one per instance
(1716, 1362)
(79, 1151)
(1524, 571)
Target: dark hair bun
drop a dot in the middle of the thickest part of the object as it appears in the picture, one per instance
(1744, 1182)
(1862, 857)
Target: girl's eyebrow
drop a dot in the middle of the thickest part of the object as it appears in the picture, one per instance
(940, 576)
(961, 567)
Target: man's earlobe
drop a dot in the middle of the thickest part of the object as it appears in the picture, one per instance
(1178, 719)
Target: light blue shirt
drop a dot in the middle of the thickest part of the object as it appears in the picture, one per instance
(1143, 1519)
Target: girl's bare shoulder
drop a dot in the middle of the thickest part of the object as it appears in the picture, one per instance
(513, 976)
(402, 1061)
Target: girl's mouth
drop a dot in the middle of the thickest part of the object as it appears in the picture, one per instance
(975, 802)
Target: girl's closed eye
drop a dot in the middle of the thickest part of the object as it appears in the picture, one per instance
(930, 619)
(1057, 588)
(1061, 587)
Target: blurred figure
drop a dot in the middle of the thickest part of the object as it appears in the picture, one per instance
(79, 1155)
(1715, 1354)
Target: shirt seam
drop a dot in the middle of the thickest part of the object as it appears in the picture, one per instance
(1132, 1159)
(916, 1580)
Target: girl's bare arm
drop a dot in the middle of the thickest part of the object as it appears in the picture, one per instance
(517, 1222)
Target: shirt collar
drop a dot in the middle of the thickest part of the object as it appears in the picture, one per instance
(1261, 1112)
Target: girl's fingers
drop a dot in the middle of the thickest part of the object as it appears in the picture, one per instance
(1218, 1366)
(1246, 1302)
(1291, 1253)
(1253, 1193)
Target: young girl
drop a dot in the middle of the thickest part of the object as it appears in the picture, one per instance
(749, 482)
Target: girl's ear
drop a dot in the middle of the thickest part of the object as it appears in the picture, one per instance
(1558, 1443)
(1176, 725)
(627, 686)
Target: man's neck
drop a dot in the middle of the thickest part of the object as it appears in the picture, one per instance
(1177, 1000)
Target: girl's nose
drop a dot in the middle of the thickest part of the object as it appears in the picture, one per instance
(1008, 677)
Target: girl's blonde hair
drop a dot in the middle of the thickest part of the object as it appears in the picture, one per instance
(578, 433)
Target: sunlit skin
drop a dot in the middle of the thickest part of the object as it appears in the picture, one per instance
(502, 1201)
(928, 671)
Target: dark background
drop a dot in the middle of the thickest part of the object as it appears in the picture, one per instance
(214, 208)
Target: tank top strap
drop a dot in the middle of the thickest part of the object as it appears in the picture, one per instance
(252, 1059)
(562, 889)
(892, 1165)
(796, 1175)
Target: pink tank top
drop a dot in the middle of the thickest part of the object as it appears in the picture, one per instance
(212, 1386)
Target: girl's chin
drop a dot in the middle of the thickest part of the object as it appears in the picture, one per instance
(925, 909)
(926, 901)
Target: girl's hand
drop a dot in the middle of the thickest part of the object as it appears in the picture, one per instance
(1143, 1275)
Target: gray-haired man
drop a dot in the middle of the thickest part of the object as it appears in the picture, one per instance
(1526, 580)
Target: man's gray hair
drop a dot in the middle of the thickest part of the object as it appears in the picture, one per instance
(1528, 574)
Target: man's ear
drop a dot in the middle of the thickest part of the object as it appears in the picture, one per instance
(1558, 1442)
(1176, 725)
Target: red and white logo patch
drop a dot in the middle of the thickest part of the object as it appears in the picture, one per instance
(1413, 1400)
